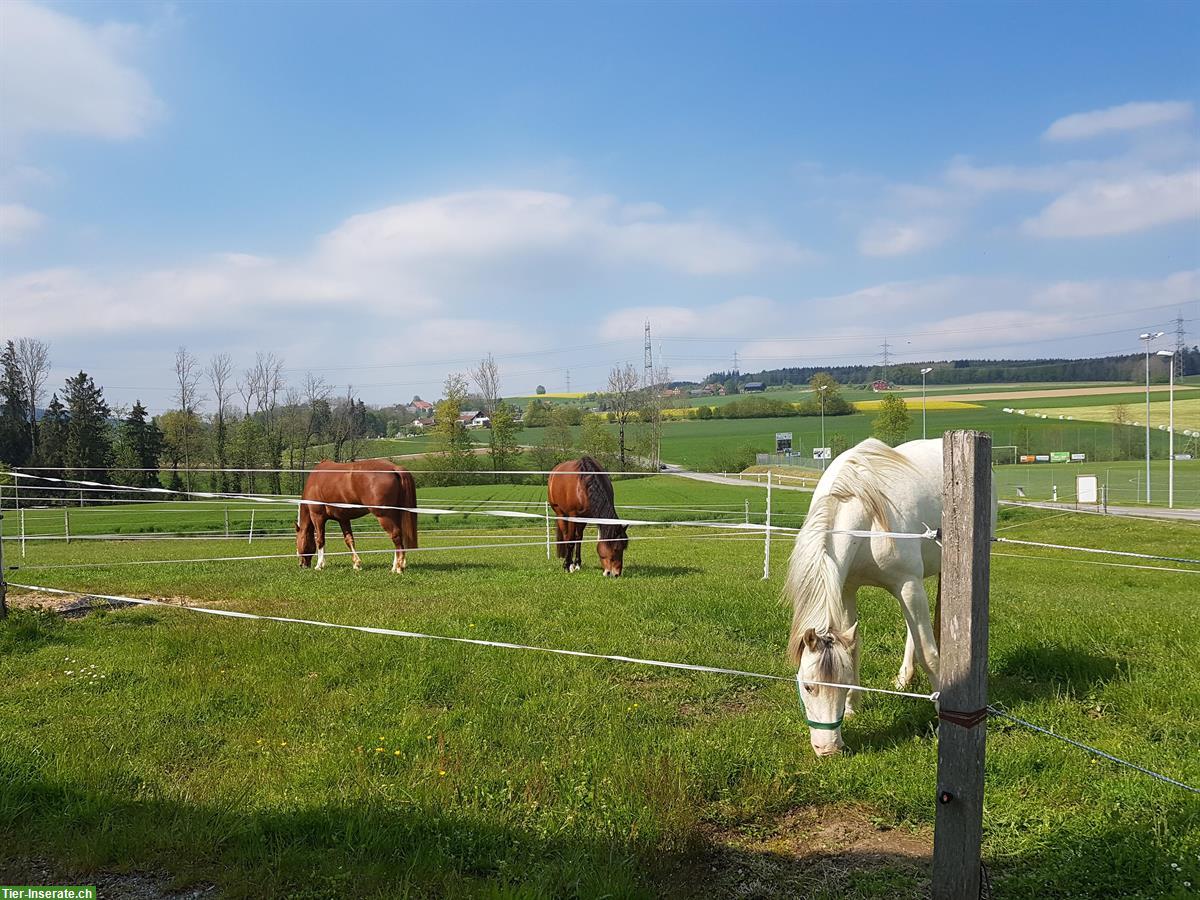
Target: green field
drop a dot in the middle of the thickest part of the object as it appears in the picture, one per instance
(247, 754)
(1125, 481)
(694, 443)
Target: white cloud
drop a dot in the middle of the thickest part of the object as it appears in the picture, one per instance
(741, 315)
(17, 221)
(436, 258)
(61, 75)
(485, 226)
(888, 238)
(1119, 206)
(1127, 117)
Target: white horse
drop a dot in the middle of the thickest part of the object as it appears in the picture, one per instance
(871, 487)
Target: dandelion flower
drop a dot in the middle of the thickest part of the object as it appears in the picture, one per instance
(441, 773)
(395, 752)
(378, 749)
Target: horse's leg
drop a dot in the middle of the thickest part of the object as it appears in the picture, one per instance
(319, 521)
(850, 602)
(579, 546)
(396, 533)
(908, 666)
(561, 547)
(914, 603)
(348, 537)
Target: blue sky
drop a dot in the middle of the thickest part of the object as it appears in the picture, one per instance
(383, 192)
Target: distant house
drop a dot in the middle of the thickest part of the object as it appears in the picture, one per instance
(474, 419)
(423, 423)
(881, 386)
(420, 407)
(753, 387)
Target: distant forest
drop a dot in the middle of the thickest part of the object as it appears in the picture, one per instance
(978, 371)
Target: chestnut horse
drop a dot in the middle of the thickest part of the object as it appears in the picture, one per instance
(376, 484)
(580, 488)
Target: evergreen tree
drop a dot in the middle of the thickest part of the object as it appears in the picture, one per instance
(52, 435)
(88, 451)
(14, 409)
(139, 444)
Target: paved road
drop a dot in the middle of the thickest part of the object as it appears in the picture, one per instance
(724, 479)
(1140, 512)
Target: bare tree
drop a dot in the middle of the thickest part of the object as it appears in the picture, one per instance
(264, 383)
(188, 396)
(347, 425)
(316, 412)
(487, 380)
(624, 395)
(220, 375)
(33, 358)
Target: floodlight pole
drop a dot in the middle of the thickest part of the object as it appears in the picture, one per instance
(924, 372)
(1170, 354)
(821, 391)
(1147, 337)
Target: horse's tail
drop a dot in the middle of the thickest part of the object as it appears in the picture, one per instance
(814, 582)
(408, 518)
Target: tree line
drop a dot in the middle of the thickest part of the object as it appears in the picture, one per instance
(223, 425)
(1128, 367)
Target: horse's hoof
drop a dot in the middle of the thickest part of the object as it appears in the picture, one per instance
(358, 567)
(903, 680)
(849, 713)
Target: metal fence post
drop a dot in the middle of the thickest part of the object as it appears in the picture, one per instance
(547, 531)
(250, 533)
(767, 534)
(962, 729)
(67, 523)
(3, 582)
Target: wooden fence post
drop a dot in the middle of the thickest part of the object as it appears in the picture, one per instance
(67, 524)
(962, 729)
(547, 532)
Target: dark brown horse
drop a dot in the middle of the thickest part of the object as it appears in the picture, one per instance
(374, 483)
(582, 489)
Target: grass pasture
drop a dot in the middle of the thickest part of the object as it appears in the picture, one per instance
(274, 759)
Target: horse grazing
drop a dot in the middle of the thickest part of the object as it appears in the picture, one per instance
(580, 488)
(376, 484)
(871, 487)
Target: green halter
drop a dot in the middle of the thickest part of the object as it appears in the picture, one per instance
(824, 726)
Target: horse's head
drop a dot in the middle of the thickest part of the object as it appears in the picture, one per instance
(306, 543)
(611, 548)
(826, 658)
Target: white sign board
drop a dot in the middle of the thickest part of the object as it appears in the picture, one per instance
(1087, 489)
(822, 453)
(783, 442)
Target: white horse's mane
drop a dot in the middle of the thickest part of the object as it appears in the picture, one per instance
(814, 584)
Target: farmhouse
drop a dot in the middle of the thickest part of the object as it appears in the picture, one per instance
(753, 387)
(474, 419)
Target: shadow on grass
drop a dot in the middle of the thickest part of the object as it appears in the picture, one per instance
(374, 849)
(377, 847)
(651, 571)
(1037, 671)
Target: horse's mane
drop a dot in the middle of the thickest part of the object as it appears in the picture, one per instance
(814, 583)
(600, 496)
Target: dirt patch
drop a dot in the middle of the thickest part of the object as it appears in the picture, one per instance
(76, 605)
(109, 885)
(813, 850)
